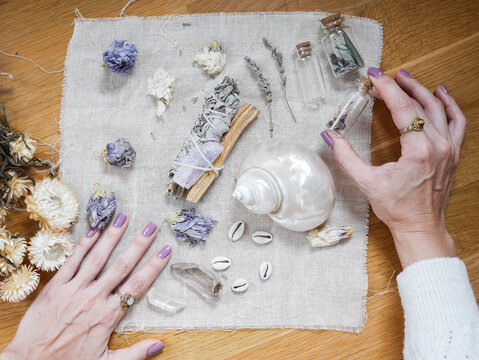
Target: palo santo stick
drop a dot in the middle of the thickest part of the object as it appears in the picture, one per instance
(246, 114)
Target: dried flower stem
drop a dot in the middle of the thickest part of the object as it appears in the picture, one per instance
(265, 87)
(278, 56)
(8, 261)
(7, 160)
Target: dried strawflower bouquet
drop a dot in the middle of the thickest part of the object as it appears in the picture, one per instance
(50, 202)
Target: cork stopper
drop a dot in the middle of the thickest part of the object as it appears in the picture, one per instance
(364, 85)
(332, 21)
(304, 49)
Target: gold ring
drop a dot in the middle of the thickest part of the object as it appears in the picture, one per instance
(126, 300)
(416, 125)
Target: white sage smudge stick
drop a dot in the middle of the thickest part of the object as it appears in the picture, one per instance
(203, 144)
(278, 57)
(265, 87)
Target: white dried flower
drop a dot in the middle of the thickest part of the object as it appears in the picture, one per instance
(18, 186)
(3, 215)
(16, 251)
(48, 250)
(23, 148)
(53, 204)
(212, 59)
(161, 87)
(5, 238)
(13, 249)
(19, 285)
(328, 235)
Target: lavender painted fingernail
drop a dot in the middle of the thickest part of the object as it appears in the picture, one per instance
(405, 73)
(164, 252)
(444, 89)
(149, 229)
(91, 232)
(155, 349)
(375, 72)
(327, 139)
(119, 220)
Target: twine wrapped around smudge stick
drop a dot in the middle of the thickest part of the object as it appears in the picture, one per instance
(203, 144)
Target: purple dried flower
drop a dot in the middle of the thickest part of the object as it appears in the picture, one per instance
(120, 56)
(101, 207)
(189, 225)
(119, 153)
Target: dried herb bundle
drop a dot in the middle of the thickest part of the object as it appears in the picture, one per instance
(278, 56)
(191, 226)
(265, 87)
(203, 144)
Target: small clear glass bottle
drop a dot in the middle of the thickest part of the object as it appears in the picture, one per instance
(309, 73)
(351, 107)
(338, 44)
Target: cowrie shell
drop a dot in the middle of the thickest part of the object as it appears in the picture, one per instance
(236, 231)
(265, 270)
(240, 285)
(262, 237)
(220, 263)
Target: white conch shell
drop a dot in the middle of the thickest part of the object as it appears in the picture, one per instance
(161, 87)
(287, 181)
(258, 191)
(212, 59)
(328, 235)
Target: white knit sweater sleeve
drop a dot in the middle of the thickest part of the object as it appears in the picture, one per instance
(440, 311)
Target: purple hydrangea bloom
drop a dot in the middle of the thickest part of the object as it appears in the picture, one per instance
(101, 207)
(120, 56)
(119, 153)
(189, 225)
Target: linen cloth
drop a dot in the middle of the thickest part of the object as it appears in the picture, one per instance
(317, 288)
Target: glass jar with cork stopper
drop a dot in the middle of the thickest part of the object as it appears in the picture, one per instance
(309, 73)
(351, 107)
(339, 46)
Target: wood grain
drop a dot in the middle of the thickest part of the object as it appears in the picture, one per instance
(246, 114)
(436, 41)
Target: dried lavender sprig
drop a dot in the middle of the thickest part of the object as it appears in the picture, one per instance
(278, 56)
(265, 87)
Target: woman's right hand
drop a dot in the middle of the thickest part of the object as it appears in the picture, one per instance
(410, 195)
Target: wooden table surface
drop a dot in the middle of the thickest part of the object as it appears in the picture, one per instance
(436, 41)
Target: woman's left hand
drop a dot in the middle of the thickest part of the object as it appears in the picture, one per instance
(76, 312)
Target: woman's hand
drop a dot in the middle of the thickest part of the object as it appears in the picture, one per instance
(410, 195)
(75, 314)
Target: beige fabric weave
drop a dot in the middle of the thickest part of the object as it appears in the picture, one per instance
(309, 288)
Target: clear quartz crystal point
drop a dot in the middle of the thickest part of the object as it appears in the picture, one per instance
(202, 281)
(160, 302)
